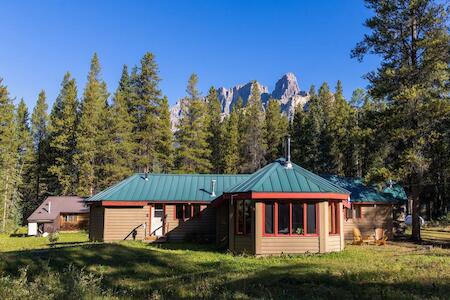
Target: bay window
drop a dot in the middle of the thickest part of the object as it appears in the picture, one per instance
(333, 217)
(290, 218)
(243, 217)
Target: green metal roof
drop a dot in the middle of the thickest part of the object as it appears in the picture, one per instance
(168, 187)
(275, 177)
(363, 193)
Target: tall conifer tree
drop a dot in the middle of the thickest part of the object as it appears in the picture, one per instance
(276, 128)
(89, 131)
(193, 154)
(39, 131)
(253, 136)
(62, 139)
(215, 129)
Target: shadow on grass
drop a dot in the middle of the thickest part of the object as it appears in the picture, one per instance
(142, 271)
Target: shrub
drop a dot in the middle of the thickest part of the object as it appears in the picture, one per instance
(53, 237)
(71, 283)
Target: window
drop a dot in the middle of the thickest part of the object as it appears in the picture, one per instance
(311, 219)
(297, 218)
(70, 218)
(357, 209)
(269, 223)
(348, 213)
(187, 211)
(243, 216)
(179, 211)
(333, 218)
(196, 210)
(283, 218)
(289, 218)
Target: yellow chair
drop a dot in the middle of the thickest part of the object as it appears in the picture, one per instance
(358, 239)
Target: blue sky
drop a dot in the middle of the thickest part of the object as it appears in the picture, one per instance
(224, 42)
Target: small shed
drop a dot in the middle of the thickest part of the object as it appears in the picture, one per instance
(59, 213)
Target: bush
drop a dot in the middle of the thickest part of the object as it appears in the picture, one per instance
(53, 237)
(71, 283)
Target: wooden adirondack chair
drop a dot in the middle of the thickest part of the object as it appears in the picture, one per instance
(358, 239)
(380, 236)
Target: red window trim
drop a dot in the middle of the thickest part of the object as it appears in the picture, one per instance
(275, 216)
(335, 226)
(191, 205)
(236, 227)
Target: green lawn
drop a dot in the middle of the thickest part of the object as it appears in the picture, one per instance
(138, 270)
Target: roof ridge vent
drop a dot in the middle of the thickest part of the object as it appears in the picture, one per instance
(288, 163)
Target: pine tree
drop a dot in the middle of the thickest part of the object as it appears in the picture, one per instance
(9, 166)
(253, 135)
(25, 158)
(193, 155)
(412, 39)
(39, 132)
(164, 146)
(327, 162)
(62, 139)
(215, 129)
(276, 128)
(231, 156)
(88, 148)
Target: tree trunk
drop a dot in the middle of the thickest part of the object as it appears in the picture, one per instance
(415, 195)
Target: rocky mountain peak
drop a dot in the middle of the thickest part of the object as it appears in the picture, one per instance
(286, 91)
(286, 87)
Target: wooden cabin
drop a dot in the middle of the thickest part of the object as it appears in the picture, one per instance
(280, 209)
(59, 213)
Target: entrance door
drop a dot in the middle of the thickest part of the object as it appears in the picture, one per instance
(157, 219)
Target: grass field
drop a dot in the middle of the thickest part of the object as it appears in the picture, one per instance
(138, 270)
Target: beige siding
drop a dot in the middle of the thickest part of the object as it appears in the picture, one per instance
(289, 244)
(372, 217)
(96, 217)
(121, 221)
(202, 228)
(334, 243)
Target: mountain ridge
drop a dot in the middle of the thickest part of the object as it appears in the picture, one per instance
(286, 91)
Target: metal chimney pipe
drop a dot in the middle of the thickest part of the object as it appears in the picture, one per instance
(49, 207)
(288, 152)
(213, 188)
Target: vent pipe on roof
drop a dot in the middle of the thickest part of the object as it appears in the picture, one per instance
(288, 164)
(49, 207)
(213, 188)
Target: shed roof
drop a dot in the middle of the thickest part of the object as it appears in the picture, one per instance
(52, 207)
(276, 177)
(169, 187)
(361, 192)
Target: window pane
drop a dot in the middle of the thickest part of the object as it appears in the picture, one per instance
(297, 218)
(179, 211)
(187, 211)
(196, 210)
(348, 212)
(248, 216)
(240, 216)
(268, 219)
(283, 218)
(357, 211)
(311, 218)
